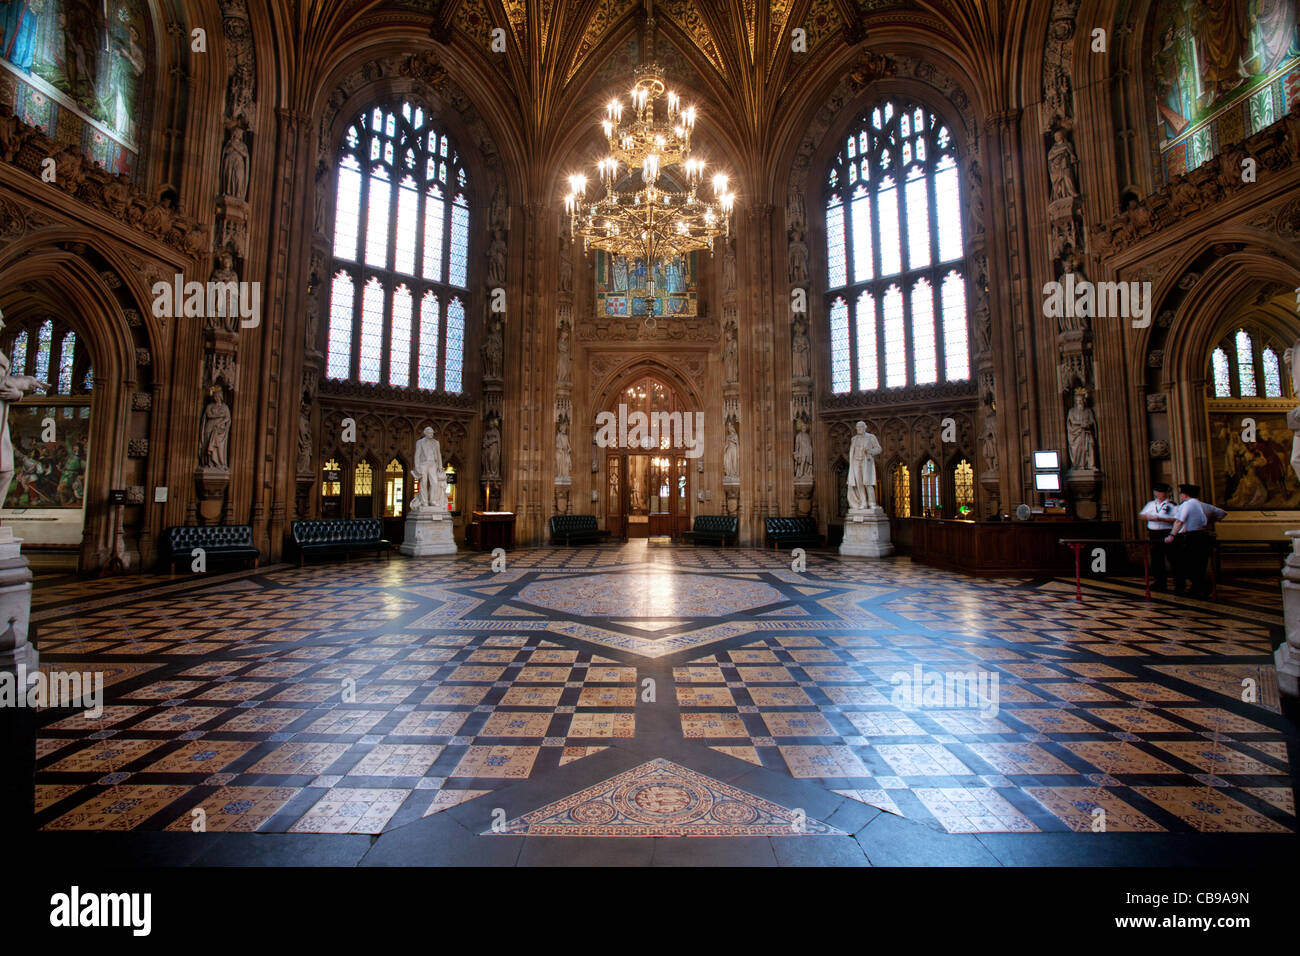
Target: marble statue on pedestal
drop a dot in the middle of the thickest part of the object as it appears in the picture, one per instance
(428, 524)
(866, 527)
(1287, 657)
(15, 575)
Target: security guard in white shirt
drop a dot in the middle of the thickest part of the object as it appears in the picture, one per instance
(1159, 516)
(1191, 531)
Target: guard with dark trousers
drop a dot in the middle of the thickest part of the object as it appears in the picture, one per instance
(1159, 516)
(1190, 536)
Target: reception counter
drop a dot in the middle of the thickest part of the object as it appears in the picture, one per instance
(1001, 547)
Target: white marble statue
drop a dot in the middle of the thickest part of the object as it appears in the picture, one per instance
(1292, 359)
(862, 469)
(563, 452)
(731, 453)
(428, 471)
(803, 452)
(12, 389)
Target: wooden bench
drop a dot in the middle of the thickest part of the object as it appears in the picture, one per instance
(216, 541)
(713, 529)
(576, 529)
(792, 533)
(338, 536)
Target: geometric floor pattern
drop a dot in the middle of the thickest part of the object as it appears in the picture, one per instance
(662, 799)
(364, 697)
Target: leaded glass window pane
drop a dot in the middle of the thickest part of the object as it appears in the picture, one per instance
(868, 370)
(1222, 377)
(399, 356)
(947, 204)
(902, 476)
(459, 245)
(861, 236)
(43, 337)
(891, 253)
(895, 344)
(1245, 364)
(65, 363)
(956, 334)
(918, 221)
(923, 348)
(434, 212)
(408, 202)
(18, 360)
(1272, 375)
(836, 255)
(377, 220)
(455, 345)
(372, 330)
(429, 341)
(347, 211)
(339, 349)
(840, 347)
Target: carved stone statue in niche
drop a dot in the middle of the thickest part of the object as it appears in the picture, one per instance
(800, 347)
(492, 450)
(976, 191)
(241, 90)
(497, 259)
(322, 184)
(729, 266)
(563, 452)
(730, 355)
(215, 433)
(798, 257)
(1081, 433)
(989, 441)
(566, 265)
(493, 349)
(731, 453)
(304, 444)
(563, 355)
(497, 210)
(795, 213)
(225, 273)
(234, 165)
(803, 452)
(1061, 163)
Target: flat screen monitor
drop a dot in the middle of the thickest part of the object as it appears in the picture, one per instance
(1047, 460)
(1047, 481)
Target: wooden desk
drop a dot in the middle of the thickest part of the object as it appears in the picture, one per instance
(491, 529)
(1002, 547)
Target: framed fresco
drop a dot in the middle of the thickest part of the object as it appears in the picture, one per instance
(1251, 476)
(49, 474)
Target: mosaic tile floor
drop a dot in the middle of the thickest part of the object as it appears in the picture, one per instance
(625, 691)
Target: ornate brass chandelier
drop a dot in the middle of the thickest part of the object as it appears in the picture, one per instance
(663, 216)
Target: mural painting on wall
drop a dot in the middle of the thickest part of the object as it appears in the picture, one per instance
(87, 57)
(622, 285)
(1252, 475)
(48, 474)
(1223, 70)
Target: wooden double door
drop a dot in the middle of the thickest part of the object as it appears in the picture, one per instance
(647, 494)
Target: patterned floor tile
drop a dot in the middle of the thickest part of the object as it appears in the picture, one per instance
(1093, 810)
(235, 809)
(496, 762)
(973, 811)
(663, 799)
(345, 810)
(1211, 811)
(118, 808)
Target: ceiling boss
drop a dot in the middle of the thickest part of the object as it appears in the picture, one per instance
(650, 207)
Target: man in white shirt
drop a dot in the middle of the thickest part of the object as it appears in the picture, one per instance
(1159, 516)
(1191, 533)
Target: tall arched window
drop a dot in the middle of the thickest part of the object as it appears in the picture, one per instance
(401, 254)
(896, 259)
(1245, 364)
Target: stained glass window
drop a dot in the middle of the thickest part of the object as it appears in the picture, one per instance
(840, 347)
(43, 343)
(930, 501)
(963, 484)
(364, 481)
(66, 348)
(18, 358)
(455, 345)
(1272, 375)
(902, 481)
(398, 241)
(894, 221)
(1222, 380)
(1245, 365)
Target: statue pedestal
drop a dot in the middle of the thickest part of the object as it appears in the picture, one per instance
(428, 532)
(1287, 657)
(866, 534)
(18, 661)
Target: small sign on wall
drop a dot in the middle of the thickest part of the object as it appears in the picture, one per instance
(160, 494)
(117, 496)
